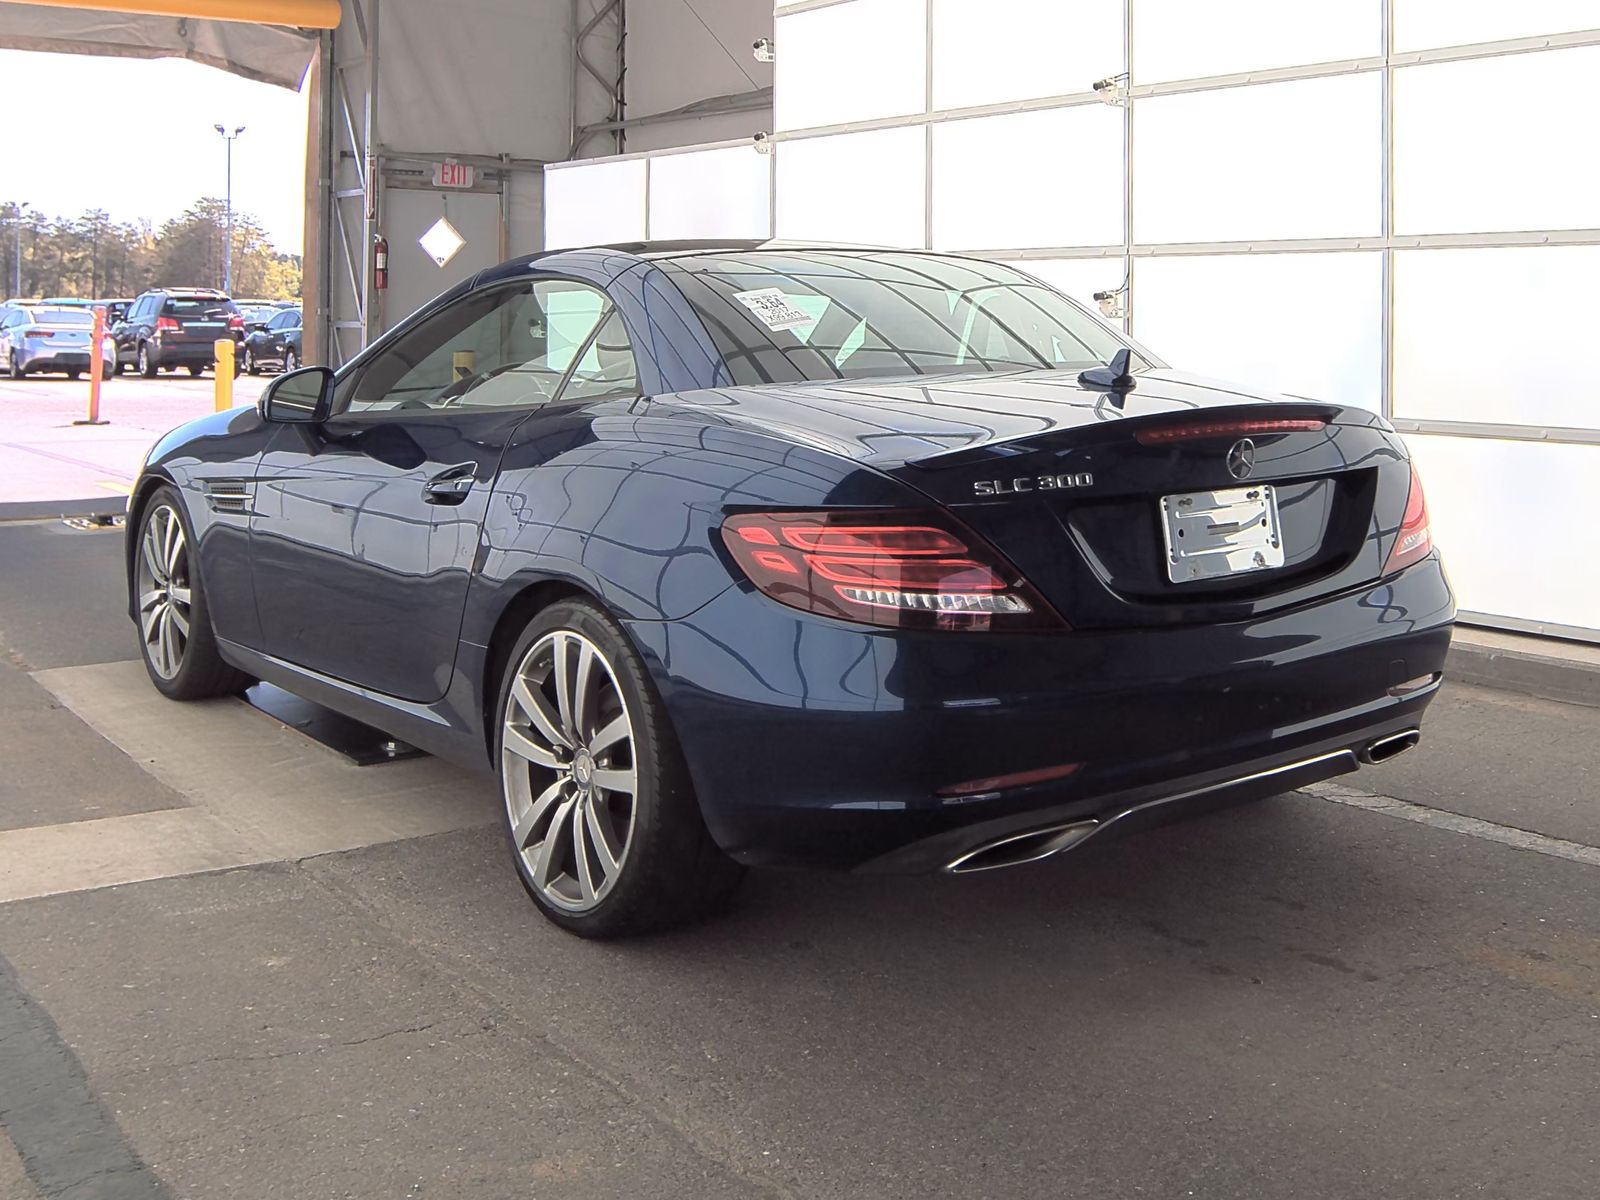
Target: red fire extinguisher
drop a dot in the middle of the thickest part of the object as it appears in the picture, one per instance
(380, 262)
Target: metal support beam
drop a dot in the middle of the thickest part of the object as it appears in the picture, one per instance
(608, 78)
(370, 316)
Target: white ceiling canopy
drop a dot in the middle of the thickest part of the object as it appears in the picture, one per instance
(267, 53)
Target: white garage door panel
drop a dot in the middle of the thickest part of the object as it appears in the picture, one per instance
(1079, 278)
(1489, 145)
(1305, 324)
(851, 62)
(1189, 39)
(1421, 24)
(1000, 182)
(1282, 160)
(714, 193)
(1507, 547)
(999, 50)
(856, 187)
(1499, 336)
(594, 203)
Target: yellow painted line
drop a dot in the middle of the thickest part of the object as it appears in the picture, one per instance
(125, 488)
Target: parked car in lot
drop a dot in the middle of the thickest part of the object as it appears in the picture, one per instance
(176, 327)
(753, 555)
(39, 339)
(274, 342)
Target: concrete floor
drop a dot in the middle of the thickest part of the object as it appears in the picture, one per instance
(327, 983)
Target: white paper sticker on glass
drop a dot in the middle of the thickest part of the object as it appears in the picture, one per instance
(773, 309)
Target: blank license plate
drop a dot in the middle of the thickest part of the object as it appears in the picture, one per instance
(1209, 535)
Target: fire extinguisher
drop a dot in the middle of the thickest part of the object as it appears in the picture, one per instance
(380, 262)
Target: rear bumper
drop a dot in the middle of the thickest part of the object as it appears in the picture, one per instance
(75, 358)
(814, 742)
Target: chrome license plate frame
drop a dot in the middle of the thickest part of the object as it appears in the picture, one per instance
(1221, 534)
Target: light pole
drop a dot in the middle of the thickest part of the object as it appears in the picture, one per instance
(227, 252)
(16, 220)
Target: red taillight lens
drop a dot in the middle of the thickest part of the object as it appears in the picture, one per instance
(236, 322)
(38, 333)
(1415, 538)
(902, 570)
(1189, 431)
(164, 323)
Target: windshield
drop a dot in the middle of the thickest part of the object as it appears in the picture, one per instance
(781, 316)
(62, 316)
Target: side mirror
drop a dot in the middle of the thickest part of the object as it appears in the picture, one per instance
(302, 397)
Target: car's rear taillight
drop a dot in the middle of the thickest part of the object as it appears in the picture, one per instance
(905, 570)
(38, 333)
(1190, 431)
(236, 322)
(1415, 539)
(166, 323)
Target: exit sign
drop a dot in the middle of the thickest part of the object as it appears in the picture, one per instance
(449, 174)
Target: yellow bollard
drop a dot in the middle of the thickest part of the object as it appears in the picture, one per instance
(225, 349)
(97, 334)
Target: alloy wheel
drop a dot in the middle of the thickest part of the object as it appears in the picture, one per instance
(569, 771)
(162, 572)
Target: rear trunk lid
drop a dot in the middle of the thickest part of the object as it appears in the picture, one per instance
(1076, 485)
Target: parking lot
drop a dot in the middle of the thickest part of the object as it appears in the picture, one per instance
(232, 963)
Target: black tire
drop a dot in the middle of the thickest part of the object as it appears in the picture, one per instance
(200, 673)
(291, 360)
(73, 373)
(147, 365)
(116, 367)
(250, 363)
(670, 871)
(14, 368)
(196, 372)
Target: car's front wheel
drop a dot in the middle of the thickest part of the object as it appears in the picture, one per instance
(291, 360)
(13, 367)
(250, 363)
(176, 642)
(147, 362)
(605, 830)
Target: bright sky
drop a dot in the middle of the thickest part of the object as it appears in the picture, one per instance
(161, 157)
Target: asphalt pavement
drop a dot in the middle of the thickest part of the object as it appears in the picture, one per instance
(321, 980)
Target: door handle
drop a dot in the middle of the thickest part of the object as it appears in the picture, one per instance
(451, 485)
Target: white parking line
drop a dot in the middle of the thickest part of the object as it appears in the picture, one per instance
(1488, 831)
(260, 793)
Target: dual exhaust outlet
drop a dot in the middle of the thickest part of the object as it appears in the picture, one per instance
(1018, 848)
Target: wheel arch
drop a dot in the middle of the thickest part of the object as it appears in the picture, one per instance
(525, 604)
(138, 500)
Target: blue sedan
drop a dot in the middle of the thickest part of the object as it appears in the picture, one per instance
(747, 555)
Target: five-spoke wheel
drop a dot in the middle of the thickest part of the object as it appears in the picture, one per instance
(175, 636)
(162, 572)
(571, 779)
(604, 826)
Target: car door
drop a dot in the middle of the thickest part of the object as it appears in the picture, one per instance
(277, 328)
(366, 527)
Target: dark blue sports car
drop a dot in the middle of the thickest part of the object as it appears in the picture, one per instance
(751, 554)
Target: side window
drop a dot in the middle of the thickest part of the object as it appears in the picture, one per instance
(282, 321)
(607, 367)
(503, 347)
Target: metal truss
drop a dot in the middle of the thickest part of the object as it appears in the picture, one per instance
(599, 73)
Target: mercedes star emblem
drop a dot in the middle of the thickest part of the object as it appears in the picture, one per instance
(1242, 458)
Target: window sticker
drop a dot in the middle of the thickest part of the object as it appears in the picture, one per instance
(774, 310)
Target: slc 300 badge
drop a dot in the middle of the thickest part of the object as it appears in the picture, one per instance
(1032, 483)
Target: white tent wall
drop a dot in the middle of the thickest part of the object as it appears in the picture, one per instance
(491, 84)
(685, 52)
(1393, 204)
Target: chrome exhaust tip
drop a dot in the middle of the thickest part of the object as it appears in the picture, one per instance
(1392, 746)
(1021, 848)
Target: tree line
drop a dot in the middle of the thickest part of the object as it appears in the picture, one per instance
(94, 257)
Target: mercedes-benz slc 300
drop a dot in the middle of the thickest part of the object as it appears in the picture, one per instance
(749, 554)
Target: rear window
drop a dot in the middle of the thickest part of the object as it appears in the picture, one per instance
(197, 309)
(63, 316)
(782, 316)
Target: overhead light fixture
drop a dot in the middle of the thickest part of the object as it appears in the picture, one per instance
(1113, 304)
(1112, 90)
(442, 242)
(762, 141)
(764, 50)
